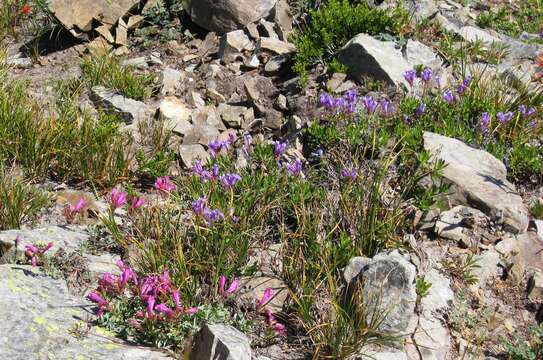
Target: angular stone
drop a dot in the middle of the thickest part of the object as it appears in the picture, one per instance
(191, 153)
(139, 62)
(283, 18)
(40, 320)
(233, 116)
(458, 223)
(388, 282)
(121, 33)
(487, 268)
(175, 114)
(59, 236)
(472, 33)
(267, 29)
(276, 46)
(417, 53)
(535, 286)
(221, 342)
(222, 16)
(208, 116)
(128, 109)
(81, 13)
(367, 56)
(106, 34)
(232, 44)
(134, 21)
(478, 180)
(99, 264)
(170, 80)
(253, 289)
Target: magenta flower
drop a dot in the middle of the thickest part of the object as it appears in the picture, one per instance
(192, 310)
(150, 305)
(176, 300)
(117, 198)
(279, 328)
(266, 297)
(234, 286)
(33, 252)
(228, 181)
(165, 185)
(409, 76)
(137, 202)
(98, 300)
(448, 96)
(164, 309)
(71, 211)
(369, 104)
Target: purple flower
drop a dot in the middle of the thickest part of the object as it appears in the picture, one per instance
(369, 104)
(409, 76)
(327, 101)
(294, 168)
(215, 171)
(448, 97)
(426, 75)
(215, 146)
(340, 103)
(201, 172)
(229, 180)
(279, 148)
(504, 118)
(484, 123)
(351, 96)
(420, 110)
(198, 206)
(213, 216)
(533, 124)
(438, 81)
(247, 142)
(407, 120)
(349, 173)
(525, 112)
(465, 84)
(386, 108)
(137, 202)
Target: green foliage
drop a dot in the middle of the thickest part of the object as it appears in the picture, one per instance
(530, 348)
(161, 23)
(72, 146)
(105, 70)
(537, 210)
(528, 17)
(335, 23)
(20, 202)
(462, 268)
(422, 287)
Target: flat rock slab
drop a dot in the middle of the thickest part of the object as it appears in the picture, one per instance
(80, 14)
(128, 109)
(40, 320)
(59, 236)
(478, 180)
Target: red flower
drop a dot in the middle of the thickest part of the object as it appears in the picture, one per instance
(26, 9)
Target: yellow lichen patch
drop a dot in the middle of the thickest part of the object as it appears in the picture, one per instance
(40, 320)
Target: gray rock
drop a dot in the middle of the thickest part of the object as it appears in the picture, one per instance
(472, 33)
(20, 62)
(40, 319)
(201, 134)
(283, 18)
(170, 80)
(487, 268)
(267, 29)
(276, 64)
(61, 237)
(479, 180)
(99, 264)
(275, 45)
(233, 116)
(80, 15)
(221, 342)
(366, 56)
(232, 44)
(252, 63)
(388, 282)
(128, 109)
(539, 227)
(208, 116)
(422, 9)
(458, 224)
(253, 288)
(191, 153)
(175, 114)
(535, 286)
(139, 62)
(223, 16)
(417, 53)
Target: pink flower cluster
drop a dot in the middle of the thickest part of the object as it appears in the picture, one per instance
(165, 185)
(34, 252)
(119, 198)
(156, 291)
(72, 210)
(279, 328)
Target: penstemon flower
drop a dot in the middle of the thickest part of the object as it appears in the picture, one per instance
(71, 211)
(117, 198)
(165, 185)
(234, 286)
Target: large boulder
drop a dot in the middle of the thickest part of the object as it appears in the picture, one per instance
(42, 320)
(223, 16)
(366, 56)
(80, 14)
(478, 180)
(388, 283)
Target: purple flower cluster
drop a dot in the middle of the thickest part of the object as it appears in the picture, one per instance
(386, 109)
(349, 172)
(484, 123)
(294, 168)
(504, 118)
(228, 181)
(343, 104)
(216, 146)
(279, 148)
(420, 110)
(410, 76)
(464, 86)
(448, 96)
(526, 112)
(200, 209)
(369, 104)
(425, 76)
